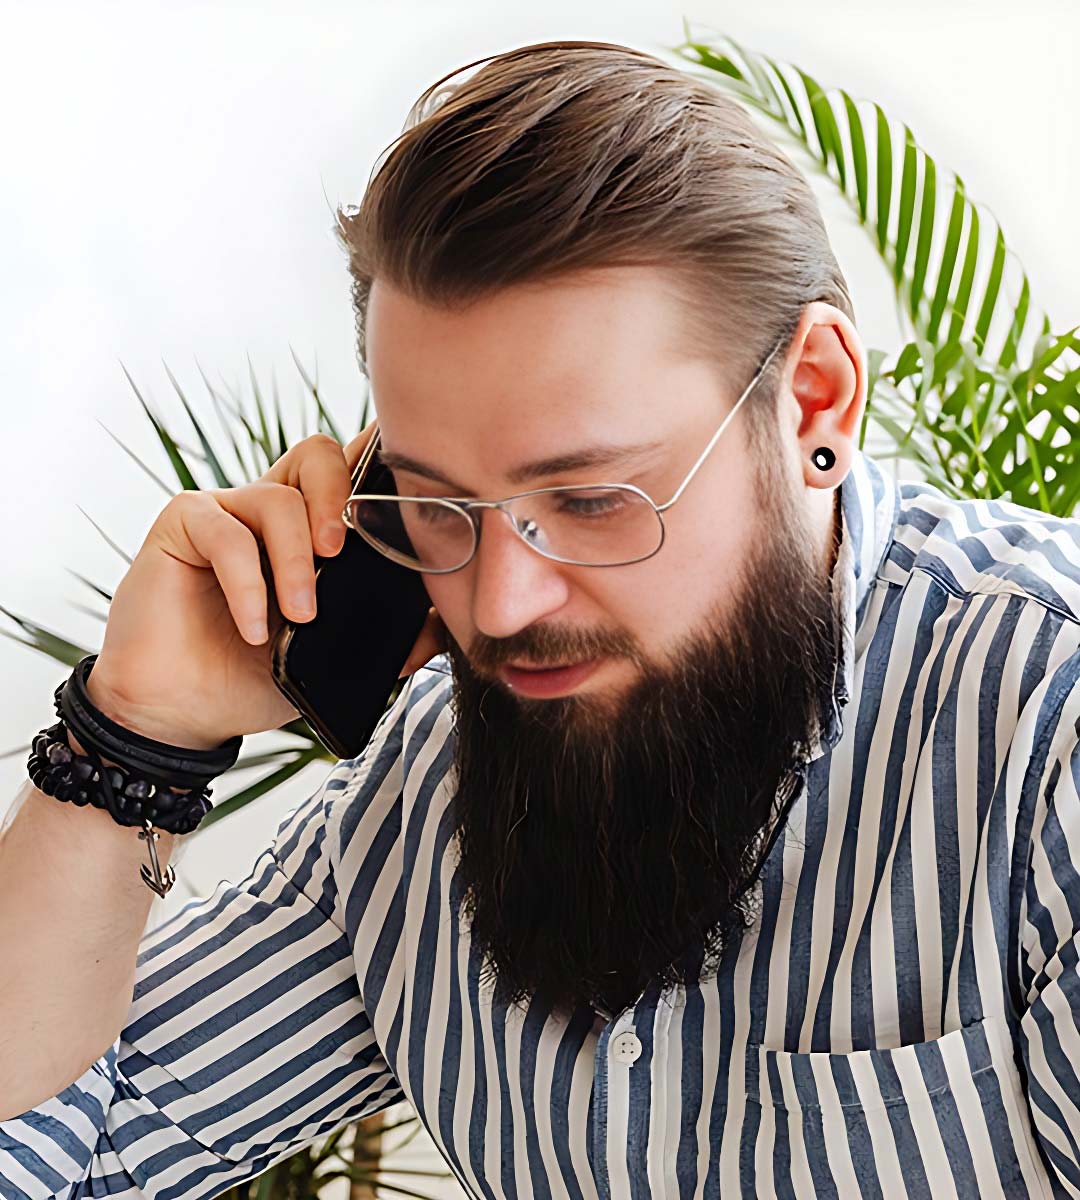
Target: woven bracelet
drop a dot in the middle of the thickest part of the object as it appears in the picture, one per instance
(145, 781)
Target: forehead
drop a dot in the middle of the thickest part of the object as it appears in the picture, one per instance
(532, 369)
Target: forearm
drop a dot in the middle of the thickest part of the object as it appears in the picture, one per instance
(73, 909)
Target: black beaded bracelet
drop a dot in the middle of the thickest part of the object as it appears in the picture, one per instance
(142, 786)
(128, 798)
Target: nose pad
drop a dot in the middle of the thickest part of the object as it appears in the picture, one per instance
(497, 510)
(528, 529)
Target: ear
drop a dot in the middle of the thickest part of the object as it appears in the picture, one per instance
(825, 381)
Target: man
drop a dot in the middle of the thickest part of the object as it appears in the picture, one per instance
(742, 864)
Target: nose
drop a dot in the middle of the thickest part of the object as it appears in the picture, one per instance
(513, 585)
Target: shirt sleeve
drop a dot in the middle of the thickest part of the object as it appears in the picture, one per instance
(247, 1037)
(1049, 949)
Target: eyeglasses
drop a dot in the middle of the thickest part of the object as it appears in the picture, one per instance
(585, 525)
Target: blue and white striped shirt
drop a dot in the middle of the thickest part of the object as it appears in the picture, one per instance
(902, 1019)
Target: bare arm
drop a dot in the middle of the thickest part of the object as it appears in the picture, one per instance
(251, 991)
(72, 911)
(73, 907)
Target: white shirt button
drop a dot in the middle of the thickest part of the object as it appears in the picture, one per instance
(626, 1048)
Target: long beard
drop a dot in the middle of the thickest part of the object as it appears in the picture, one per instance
(606, 846)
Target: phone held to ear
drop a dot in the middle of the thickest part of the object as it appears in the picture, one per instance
(340, 668)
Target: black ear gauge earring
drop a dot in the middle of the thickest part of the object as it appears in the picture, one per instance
(823, 458)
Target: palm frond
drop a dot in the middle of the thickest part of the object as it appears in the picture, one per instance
(260, 787)
(209, 454)
(179, 466)
(105, 537)
(45, 641)
(324, 420)
(978, 346)
(138, 461)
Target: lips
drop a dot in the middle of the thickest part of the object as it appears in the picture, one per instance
(548, 681)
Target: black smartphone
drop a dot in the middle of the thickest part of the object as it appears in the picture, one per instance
(341, 667)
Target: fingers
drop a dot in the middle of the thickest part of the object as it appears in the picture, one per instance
(316, 468)
(278, 516)
(355, 448)
(321, 470)
(223, 529)
(323, 480)
(228, 546)
(293, 512)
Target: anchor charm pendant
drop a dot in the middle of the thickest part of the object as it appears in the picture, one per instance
(152, 876)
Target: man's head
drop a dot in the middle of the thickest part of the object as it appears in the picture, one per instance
(532, 280)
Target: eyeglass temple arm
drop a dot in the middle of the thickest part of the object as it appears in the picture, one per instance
(723, 425)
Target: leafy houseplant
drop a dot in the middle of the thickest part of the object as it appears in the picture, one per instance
(983, 398)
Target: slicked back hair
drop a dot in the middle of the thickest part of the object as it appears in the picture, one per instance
(566, 156)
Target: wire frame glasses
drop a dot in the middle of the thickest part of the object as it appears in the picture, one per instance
(588, 525)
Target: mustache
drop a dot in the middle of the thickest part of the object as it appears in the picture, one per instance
(546, 644)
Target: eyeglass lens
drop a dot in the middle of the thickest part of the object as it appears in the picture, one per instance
(595, 526)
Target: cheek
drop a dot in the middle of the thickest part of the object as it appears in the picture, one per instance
(656, 605)
(696, 570)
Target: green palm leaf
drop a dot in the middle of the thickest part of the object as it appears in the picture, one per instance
(44, 641)
(209, 454)
(974, 374)
(325, 422)
(183, 471)
(266, 437)
(138, 461)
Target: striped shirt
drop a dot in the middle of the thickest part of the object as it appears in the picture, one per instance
(901, 1019)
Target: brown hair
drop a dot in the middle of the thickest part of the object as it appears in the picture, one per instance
(571, 155)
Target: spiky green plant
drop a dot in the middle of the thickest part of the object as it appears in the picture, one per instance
(983, 398)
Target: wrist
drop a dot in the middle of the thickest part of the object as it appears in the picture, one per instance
(100, 834)
(78, 748)
(127, 761)
(150, 721)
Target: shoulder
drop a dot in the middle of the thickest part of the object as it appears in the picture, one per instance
(986, 613)
(340, 840)
(366, 791)
(417, 720)
(980, 547)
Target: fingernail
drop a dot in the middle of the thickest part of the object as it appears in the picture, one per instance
(256, 631)
(303, 600)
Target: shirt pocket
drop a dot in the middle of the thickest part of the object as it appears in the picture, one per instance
(934, 1119)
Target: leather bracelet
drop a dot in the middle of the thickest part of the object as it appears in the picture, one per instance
(174, 765)
(141, 786)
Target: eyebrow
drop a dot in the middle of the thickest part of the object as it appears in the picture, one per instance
(601, 455)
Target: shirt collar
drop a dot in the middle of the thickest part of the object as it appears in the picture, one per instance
(869, 507)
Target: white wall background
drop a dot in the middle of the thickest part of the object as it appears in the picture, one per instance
(168, 172)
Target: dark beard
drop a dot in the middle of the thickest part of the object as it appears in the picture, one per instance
(606, 844)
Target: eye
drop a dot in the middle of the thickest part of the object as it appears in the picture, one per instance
(437, 514)
(598, 505)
